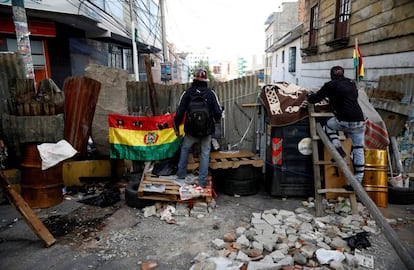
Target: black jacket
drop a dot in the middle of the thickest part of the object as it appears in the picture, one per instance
(200, 88)
(343, 99)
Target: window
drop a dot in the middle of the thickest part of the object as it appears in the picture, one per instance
(115, 56)
(343, 13)
(313, 25)
(292, 59)
(283, 56)
(269, 40)
(120, 57)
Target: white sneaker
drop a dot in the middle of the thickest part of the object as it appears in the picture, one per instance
(191, 179)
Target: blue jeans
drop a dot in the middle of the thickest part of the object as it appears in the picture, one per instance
(205, 143)
(356, 131)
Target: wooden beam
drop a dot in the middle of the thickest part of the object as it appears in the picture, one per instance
(29, 216)
(151, 86)
(251, 104)
(398, 245)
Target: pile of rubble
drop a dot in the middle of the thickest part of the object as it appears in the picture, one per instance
(278, 238)
(268, 239)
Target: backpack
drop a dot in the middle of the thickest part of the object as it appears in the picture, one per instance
(199, 119)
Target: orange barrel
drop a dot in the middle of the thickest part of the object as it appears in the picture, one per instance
(40, 188)
(375, 176)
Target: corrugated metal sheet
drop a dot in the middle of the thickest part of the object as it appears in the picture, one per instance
(31, 129)
(232, 95)
(81, 96)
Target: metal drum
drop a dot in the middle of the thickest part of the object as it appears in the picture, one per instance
(40, 188)
(375, 176)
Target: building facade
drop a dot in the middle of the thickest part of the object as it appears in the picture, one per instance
(383, 31)
(278, 24)
(285, 58)
(66, 36)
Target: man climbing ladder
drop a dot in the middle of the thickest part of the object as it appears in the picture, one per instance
(348, 117)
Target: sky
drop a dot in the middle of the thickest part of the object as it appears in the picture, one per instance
(228, 28)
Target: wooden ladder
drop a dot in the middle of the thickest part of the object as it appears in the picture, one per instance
(318, 163)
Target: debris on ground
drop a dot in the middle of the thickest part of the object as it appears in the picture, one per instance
(234, 233)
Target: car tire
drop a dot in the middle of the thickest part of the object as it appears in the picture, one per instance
(400, 195)
(244, 180)
(131, 196)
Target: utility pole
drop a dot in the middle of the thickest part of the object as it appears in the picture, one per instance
(164, 38)
(134, 38)
(22, 36)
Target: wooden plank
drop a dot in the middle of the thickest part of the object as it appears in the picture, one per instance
(172, 190)
(321, 114)
(29, 216)
(334, 178)
(315, 159)
(231, 154)
(225, 160)
(334, 190)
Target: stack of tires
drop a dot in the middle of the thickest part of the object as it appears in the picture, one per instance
(244, 180)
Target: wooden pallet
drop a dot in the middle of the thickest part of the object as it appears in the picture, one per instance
(171, 193)
(226, 160)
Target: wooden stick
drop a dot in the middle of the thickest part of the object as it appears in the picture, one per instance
(251, 104)
(151, 86)
(398, 245)
(29, 216)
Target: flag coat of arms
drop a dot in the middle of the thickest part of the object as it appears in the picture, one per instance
(142, 137)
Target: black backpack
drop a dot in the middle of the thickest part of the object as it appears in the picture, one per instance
(198, 119)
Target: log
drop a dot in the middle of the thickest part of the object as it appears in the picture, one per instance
(398, 245)
(151, 87)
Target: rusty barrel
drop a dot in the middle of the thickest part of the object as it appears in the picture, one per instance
(375, 176)
(40, 188)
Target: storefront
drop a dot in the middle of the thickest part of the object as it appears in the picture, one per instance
(39, 33)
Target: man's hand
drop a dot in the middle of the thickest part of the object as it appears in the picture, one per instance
(177, 133)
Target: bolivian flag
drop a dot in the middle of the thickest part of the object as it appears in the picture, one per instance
(142, 137)
(358, 64)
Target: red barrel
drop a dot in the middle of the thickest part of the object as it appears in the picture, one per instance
(40, 188)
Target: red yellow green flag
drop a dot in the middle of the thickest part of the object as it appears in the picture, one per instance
(358, 64)
(142, 138)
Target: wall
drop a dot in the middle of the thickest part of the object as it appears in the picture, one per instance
(377, 25)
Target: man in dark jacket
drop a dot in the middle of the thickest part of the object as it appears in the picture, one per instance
(198, 87)
(343, 99)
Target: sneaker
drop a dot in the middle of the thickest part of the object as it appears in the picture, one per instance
(191, 179)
